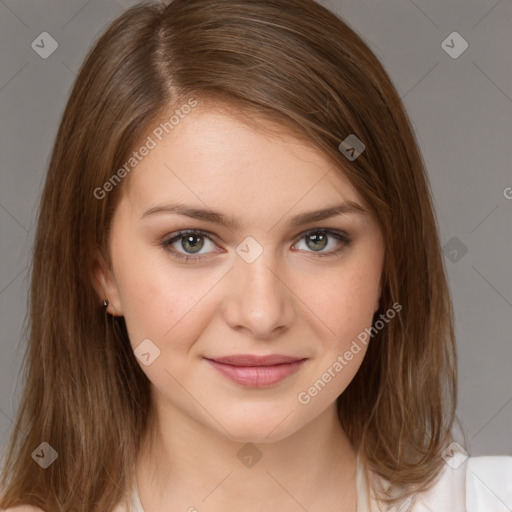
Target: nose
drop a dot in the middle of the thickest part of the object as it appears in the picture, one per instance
(259, 298)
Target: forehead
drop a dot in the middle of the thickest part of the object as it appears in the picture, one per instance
(216, 158)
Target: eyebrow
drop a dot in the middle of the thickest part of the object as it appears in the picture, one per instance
(233, 223)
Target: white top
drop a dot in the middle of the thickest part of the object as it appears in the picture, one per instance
(479, 484)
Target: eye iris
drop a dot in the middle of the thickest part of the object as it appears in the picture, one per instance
(318, 238)
(195, 246)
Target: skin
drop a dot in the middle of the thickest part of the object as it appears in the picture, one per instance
(288, 301)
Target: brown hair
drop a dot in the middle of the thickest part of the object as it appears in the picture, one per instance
(290, 62)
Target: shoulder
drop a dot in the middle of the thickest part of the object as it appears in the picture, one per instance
(475, 484)
(489, 483)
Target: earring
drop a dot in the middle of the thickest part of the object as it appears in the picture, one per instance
(105, 303)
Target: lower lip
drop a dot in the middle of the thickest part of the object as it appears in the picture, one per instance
(257, 376)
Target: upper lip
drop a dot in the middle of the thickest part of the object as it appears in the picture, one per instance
(254, 360)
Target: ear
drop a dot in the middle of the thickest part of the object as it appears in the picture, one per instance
(104, 283)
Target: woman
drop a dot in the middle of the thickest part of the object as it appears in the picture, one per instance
(238, 298)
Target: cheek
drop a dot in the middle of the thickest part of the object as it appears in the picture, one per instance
(344, 300)
(158, 301)
(345, 306)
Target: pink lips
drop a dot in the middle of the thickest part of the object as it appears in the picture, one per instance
(256, 371)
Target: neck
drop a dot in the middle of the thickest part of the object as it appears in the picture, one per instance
(184, 464)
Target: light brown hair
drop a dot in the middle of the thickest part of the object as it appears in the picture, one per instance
(290, 62)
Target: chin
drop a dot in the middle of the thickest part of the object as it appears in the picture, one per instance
(257, 427)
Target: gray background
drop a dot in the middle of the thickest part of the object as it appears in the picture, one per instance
(461, 109)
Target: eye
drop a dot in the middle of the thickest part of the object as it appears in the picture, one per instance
(188, 240)
(191, 242)
(318, 239)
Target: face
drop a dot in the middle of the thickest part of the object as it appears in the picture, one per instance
(266, 282)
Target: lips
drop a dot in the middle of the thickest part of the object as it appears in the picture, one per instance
(254, 360)
(256, 371)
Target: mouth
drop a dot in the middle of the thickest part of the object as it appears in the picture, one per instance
(256, 371)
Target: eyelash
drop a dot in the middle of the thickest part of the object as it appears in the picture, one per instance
(167, 243)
